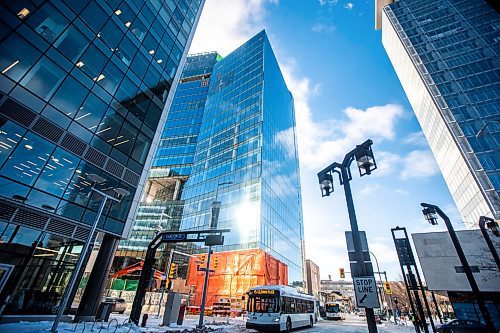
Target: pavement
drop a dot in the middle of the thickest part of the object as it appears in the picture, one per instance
(118, 324)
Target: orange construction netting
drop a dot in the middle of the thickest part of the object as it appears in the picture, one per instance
(235, 274)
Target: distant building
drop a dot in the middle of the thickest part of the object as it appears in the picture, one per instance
(341, 288)
(446, 55)
(84, 86)
(443, 271)
(313, 278)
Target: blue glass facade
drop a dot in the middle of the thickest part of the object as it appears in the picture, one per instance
(454, 48)
(83, 86)
(247, 137)
(161, 207)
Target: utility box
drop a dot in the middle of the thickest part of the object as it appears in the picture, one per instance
(172, 308)
(104, 311)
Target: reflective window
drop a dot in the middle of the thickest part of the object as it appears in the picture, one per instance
(79, 186)
(126, 51)
(44, 78)
(10, 136)
(110, 125)
(69, 96)
(141, 148)
(94, 16)
(92, 62)
(72, 43)
(58, 172)
(126, 138)
(90, 113)
(111, 78)
(27, 161)
(17, 56)
(111, 34)
(48, 22)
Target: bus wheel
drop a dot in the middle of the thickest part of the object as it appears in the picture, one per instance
(288, 325)
(311, 322)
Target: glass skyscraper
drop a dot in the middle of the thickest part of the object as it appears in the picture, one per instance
(83, 87)
(230, 136)
(161, 207)
(446, 55)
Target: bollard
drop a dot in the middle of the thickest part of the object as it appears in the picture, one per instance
(144, 320)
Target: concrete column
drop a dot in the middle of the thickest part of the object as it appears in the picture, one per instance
(94, 290)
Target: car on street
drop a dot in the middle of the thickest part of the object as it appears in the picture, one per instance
(119, 304)
(462, 326)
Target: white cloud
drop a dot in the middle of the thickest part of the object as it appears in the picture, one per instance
(419, 164)
(329, 3)
(322, 27)
(416, 139)
(369, 190)
(226, 24)
(349, 5)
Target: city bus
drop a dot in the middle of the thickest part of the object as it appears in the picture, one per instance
(334, 311)
(279, 308)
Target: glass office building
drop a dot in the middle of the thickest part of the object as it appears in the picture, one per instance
(83, 87)
(446, 55)
(247, 137)
(161, 206)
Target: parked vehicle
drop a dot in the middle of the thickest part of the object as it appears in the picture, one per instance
(119, 304)
(462, 326)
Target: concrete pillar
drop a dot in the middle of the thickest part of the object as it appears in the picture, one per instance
(94, 290)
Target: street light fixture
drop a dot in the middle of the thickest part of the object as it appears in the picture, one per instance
(489, 223)
(430, 212)
(365, 161)
(120, 194)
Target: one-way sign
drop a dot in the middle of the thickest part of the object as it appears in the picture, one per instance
(365, 289)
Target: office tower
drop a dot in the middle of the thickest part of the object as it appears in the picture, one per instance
(446, 55)
(230, 137)
(247, 137)
(161, 205)
(83, 89)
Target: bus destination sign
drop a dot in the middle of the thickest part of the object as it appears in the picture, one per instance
(264, 292)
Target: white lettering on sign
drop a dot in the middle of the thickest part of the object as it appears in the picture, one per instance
(365, 290)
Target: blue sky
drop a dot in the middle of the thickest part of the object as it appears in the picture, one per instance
(345, 91)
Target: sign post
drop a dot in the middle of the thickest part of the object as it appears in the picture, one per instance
(365, 289)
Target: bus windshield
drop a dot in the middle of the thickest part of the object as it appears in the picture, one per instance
(263, 304)
(335, 308)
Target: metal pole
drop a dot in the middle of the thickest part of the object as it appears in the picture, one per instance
(370, 315)
(436, 306)
(79, 264)
(392, 303)
(494, 253)
(381, 283)
(205, 287)
(468, 272)
(167, 282)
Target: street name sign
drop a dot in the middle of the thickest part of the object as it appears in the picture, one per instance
(365, 289)
(174, 237)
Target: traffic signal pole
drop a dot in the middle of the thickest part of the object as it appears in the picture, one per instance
(167, 282)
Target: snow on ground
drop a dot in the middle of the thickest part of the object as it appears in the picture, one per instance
(352, 324)
(118, 324)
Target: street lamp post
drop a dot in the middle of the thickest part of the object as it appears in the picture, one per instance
(363, 155)
(488, 222)
(121, 193)
(430, 213)
(214, 219)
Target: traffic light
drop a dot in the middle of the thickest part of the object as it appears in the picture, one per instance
(173, 268)
(342, 273)
(216, 262)
(387, 288)
(395, 300)
(203, 257)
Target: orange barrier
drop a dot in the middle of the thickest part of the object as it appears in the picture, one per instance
(236, 273)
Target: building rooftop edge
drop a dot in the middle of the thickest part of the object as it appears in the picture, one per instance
(379, 6)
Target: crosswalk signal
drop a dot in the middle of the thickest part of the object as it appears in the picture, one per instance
(387, 288)
(216, 262)
(342, 273)
(173, 269)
